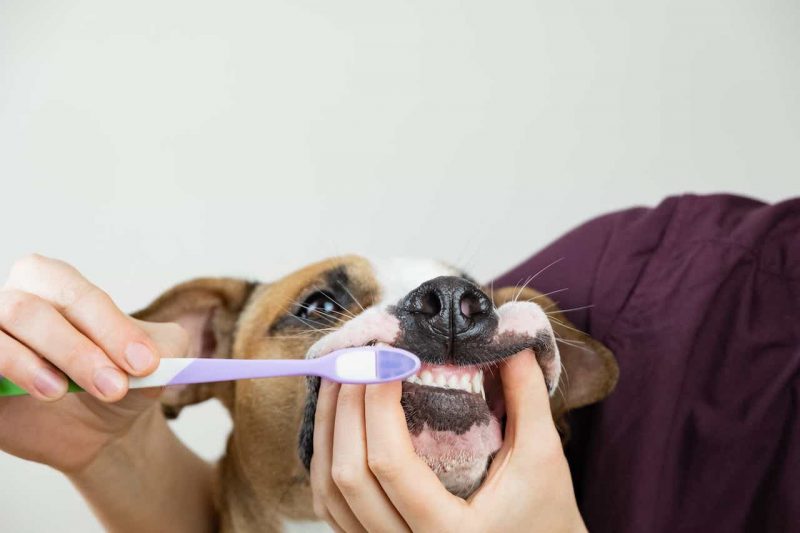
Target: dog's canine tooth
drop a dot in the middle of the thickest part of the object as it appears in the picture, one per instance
(427, 378)
(477, 382)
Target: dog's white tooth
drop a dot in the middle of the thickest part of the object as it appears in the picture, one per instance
(465, 384)
(483, 394)
(441, 381)
(477, 382)
(427, 378)
(452, 382)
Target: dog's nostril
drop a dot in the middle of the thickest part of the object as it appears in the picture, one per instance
(470, 305)
(431, 304)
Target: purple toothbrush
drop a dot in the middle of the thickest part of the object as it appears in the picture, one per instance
(363, 364)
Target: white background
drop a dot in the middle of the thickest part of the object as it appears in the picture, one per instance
(148, 142)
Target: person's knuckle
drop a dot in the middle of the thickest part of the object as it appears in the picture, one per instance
(83, 354)
(346, 477)
(382, 465)
(27, 263)
(15, 306)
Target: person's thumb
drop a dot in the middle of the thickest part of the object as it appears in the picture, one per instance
(529, 420)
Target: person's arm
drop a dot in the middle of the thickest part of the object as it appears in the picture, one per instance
(149, 481)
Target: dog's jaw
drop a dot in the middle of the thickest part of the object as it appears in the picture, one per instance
(455, 431)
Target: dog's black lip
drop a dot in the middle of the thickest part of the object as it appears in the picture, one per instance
(432, 388)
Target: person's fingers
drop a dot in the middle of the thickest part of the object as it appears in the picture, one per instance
(29, 371)
(350, 470)
(329, 504)
(527, 403)
(36, 324)
(89, 309)
(530, 439)
(410, 484)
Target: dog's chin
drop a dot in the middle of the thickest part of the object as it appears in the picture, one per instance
(455, 416)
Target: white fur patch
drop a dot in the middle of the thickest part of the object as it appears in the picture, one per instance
(529, 318)
(397, 277)
(374, 324)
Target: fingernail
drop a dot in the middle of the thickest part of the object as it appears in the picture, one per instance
(109, 381)
(139, 356)
(49, 384)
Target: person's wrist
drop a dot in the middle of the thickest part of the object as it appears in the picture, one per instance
(127, 449)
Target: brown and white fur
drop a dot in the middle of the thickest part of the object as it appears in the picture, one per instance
(459, 330)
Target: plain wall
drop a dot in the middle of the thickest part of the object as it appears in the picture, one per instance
(149, 142)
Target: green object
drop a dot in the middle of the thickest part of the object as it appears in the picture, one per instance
(7, 388)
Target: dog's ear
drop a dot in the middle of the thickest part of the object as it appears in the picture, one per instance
(589, 370)
(208, 309)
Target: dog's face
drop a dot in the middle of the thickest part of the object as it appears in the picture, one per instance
(454, 405)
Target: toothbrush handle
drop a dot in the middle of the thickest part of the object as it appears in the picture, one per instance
(9, 388)
(182, 371)
(210, 370)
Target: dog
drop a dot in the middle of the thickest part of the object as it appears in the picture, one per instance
(453, 405)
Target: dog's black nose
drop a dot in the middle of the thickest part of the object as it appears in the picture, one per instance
(448, 310)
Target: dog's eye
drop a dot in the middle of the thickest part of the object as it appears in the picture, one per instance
(320, 305)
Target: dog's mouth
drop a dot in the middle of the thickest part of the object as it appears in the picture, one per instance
(456, 417)
(454, 405)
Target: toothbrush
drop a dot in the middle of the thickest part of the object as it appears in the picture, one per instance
(371, 364)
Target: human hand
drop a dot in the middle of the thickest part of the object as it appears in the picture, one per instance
(365, 475)
(54, 323)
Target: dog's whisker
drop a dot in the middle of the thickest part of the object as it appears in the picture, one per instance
(563, 385)
(533, 277)
(548, 266)
(353, 296)
(568, 310)
(521, 288)
(559, 322)
(344, 308)
(537, 274)
(308, 322)
(547, 294)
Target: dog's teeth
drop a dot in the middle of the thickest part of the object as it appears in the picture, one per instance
(441, 381)
(465, 383)
(427, 378)
(477, 382)
(452, 382)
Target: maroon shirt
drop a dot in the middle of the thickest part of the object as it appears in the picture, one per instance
(699, 299)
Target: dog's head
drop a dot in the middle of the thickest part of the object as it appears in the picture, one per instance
(454, 405)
